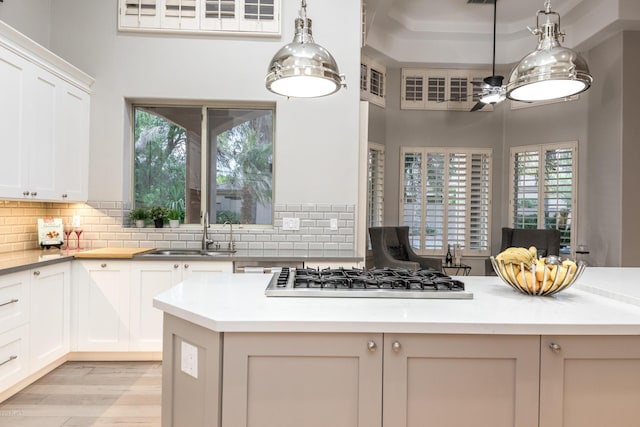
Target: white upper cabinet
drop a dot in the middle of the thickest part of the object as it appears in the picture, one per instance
(44, 120)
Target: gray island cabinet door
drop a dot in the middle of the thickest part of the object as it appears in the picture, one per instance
(295, 379)
(460, 380)
(590, 381)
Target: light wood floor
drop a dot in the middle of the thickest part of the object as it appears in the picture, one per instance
(83, 394)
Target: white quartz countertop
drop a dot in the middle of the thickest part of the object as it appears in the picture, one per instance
(603, 302)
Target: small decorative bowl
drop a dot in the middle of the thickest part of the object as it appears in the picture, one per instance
(531, 282)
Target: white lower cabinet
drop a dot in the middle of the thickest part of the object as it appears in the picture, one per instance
(14, 355)
(115, 300)
(102, 305)
(50, 314)
(590, 381)
(150, 278)
(297, 379)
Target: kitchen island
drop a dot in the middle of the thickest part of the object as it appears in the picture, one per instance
(234, 357)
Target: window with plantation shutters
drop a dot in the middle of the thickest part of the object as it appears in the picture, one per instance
(375, 185)
(200, 16)
(440, 89)
(543, 189)
(446, 196)
(372, 81)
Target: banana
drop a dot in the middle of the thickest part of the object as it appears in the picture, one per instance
(516, 255)
(534, 252)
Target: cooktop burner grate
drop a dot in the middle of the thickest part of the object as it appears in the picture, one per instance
(359, 283)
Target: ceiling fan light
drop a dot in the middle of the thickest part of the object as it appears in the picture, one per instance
(302, 68)
(551, 71)
(492, 98)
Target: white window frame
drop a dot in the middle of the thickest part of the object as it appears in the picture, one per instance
(375, 185)
(486, 189)
(367, 88)
(448, 101)
(194, 18)
(541, 149)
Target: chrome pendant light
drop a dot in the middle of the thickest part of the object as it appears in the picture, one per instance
(302, 68)
(551, 71)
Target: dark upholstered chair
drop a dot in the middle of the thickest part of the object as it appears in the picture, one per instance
(546, 241)
(391, 248)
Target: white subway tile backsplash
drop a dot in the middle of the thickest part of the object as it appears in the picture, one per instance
(106, 224)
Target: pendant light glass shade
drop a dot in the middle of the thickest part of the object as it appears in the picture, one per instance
(302, 68)
(551, 71)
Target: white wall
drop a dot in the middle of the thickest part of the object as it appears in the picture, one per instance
(316, 148)
(30, 17)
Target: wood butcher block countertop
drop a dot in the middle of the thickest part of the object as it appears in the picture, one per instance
(117, 253)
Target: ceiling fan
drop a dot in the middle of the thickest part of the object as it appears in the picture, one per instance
(493, 90)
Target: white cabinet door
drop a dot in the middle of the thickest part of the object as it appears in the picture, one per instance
(72, 144)
(148, 279)
(458, 380)
(14, 355)
(49, 327)
(40, 133)
(297, 379)
(102, 304)
(13, 173)
(590, 381)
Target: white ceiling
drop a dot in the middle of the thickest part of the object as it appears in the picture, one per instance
(453, 32)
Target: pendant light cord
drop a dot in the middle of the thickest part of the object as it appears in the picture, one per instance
(495, 13)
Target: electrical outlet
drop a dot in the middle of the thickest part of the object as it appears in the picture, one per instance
(333, 224)
(189, 359)
(291, 224)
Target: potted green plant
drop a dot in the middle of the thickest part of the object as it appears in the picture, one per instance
(138, 215)
(158, 215)
(174, 218)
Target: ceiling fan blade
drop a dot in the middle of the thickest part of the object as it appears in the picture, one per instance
(478, 106)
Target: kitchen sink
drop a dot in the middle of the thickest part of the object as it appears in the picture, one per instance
(189, 252)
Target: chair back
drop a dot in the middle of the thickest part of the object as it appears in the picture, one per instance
(546, 241)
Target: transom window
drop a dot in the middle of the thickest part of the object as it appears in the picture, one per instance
(543, 189)
(445, 198)
(225, 170)
(200, 16)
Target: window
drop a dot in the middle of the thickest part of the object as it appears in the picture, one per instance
(200, 16)
(543, 189)
(170, 154)
(445, 198)
(375, 185)
(440, 89)
(372, 81)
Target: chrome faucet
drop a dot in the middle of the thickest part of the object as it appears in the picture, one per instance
(232, 244)
(206, 241)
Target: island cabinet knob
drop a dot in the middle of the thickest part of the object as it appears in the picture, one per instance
(176, 265)
(36, 273)
(372, 346)
(186, 266)
(396, 346)
(555, 347)
(103, 265)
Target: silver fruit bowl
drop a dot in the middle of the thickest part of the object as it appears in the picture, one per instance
(539, 278)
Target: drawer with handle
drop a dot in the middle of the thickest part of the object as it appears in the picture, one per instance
(13, 356)
(13, 300)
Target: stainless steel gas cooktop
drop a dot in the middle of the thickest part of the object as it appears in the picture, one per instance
(360, 283)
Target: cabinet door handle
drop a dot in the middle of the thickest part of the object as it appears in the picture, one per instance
(12, 357)
(13, 301)
(65, 195)
(25, 193)
(555, 347)
(34, 193)
(103, 265)
(396, 346)
(176, 265)
(186, 266)
(372, 346)
(36, 273)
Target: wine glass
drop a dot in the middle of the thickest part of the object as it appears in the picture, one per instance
(67, 232)
(78, 231)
